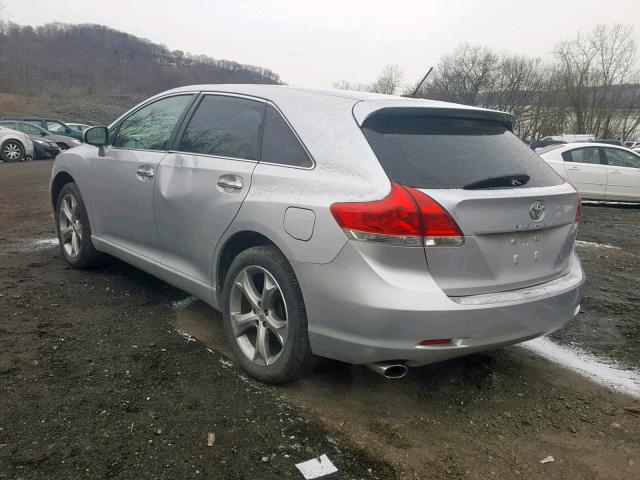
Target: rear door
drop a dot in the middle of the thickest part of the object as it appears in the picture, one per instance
(122, 179)
(587, 171)
(623, 180)
(200, 185)
(516, 213)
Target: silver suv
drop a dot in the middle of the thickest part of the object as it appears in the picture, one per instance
(366, 228)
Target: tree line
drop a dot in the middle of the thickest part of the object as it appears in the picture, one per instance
(70, 60)
(590, 84)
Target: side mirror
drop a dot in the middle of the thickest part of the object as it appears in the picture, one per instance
(96, 136)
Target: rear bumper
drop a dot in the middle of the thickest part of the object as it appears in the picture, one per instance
(360, 312)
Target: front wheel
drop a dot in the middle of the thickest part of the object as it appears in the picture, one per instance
(74, 231)
(12, 151)
(265, 318)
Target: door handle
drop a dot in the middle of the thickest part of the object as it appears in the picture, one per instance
(573, 168)
(230, 182)
(145, 171)
(615, 172)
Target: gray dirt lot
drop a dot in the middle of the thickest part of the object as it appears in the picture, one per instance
(96, 382)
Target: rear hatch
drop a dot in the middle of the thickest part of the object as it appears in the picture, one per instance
(517, 215)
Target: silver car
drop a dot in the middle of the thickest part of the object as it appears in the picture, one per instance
(14, 146)
(366, 228)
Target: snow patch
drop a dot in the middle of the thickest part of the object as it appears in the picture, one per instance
(608, 374)
(188, 337)
(581, 243)
(40, 244)
(225, 363)
(184, 303)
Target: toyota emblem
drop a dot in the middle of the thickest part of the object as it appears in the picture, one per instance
(536, 211)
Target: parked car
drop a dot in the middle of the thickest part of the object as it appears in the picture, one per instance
(609, 141)
(47, 145)
(544, 142)
(376, 230)
(15, 146)
(80, 127)
(52, 125)
(599, 172)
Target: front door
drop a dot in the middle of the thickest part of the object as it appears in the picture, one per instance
(623, 181)
(123, 178)
(200, 186)
(586, 171)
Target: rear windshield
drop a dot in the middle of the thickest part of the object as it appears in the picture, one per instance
(441, 152)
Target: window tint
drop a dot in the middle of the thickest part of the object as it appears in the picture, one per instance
(583, 155)
(224, 126)
(150, 128)
(279, 143)
(439, 152)
(620, 158)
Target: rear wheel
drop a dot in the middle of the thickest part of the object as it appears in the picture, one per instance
(74, 231)
(12, 151)
(265, 318)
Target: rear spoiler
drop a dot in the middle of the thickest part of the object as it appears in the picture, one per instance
(368, 108)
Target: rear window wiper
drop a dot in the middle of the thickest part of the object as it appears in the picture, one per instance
(504, 181)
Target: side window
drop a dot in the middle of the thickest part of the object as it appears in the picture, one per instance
(224, 126)
(279, 144)
(28, 129)
(55, 127)
(620, 158)
(583, 155)
(150, 128)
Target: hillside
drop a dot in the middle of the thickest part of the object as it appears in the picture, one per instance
(63, 60)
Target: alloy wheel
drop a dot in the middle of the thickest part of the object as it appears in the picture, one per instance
(11, 151)
(70, 226)
(258, 314)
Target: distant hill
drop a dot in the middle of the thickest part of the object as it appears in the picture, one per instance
(74, 60)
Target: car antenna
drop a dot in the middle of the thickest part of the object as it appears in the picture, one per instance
(415, 92)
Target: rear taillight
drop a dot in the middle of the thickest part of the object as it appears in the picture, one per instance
(405, 217)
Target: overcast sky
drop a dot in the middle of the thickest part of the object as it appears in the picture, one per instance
(316, 43)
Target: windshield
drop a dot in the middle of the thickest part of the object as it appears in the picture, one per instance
(440, 152)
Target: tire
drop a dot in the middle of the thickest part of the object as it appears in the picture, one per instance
(294, 359)
(12, 151)
(80, 254)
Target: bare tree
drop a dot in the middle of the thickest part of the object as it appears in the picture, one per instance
(592, 69)
(347, 85)
(388, 81)
(463, 75)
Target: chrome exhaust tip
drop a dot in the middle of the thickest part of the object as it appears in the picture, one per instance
(389, 369)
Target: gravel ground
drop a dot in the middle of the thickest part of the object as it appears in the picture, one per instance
(96, 381)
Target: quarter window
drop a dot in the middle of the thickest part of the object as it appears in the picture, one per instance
(279, 144)
(150, 128)
(620, 158)
(225, 127)
(583, 155)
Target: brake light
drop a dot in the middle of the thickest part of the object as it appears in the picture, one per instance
(405, 217)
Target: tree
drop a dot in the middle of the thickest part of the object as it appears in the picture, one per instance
(462, 75)
(388, 80)
(591, 69)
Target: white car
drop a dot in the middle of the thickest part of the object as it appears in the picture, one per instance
(15, 146)
(598, 171)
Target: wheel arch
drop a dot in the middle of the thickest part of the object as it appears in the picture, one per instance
(232, 247)
(59, 181)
